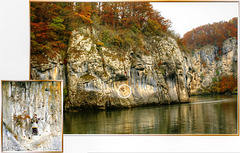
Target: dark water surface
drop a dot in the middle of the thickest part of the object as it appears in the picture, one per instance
(203, 115)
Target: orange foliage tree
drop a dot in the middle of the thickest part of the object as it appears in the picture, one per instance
(227, 84)
(52, 23)
(224, 85)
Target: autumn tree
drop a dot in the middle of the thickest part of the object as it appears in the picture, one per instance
(53, 22)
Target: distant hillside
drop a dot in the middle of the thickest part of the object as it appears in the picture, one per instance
(211, 34)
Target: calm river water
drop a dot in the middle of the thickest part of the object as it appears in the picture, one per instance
(203, 115)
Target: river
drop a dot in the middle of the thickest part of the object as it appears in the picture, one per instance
(203, 115)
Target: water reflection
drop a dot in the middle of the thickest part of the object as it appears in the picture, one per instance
(204, 115)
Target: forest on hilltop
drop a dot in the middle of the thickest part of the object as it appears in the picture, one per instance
(122, 24)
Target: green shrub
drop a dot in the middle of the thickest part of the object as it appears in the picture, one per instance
(107, 38)
(117, 41)
(65, 91)
(214, 80)
(135, 28)
(217, 72)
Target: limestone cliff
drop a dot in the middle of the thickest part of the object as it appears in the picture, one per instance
(158, 72)
(21, 101)
(95, 72)
(47, 66)
(209, 65)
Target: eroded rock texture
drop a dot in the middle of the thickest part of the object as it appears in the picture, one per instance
(158, 73)
(209, 65)
(96, 72)
(47, 66)
(21, 101)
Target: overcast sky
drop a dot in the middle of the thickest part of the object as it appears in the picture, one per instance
(186, 16)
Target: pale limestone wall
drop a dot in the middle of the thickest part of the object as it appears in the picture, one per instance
(208, 64)
(93, 73)
(21, 100)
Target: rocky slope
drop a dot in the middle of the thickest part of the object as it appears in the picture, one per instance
(158, 73)
(21, 100)
(208, 65)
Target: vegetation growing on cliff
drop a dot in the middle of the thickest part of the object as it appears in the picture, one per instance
(226, 84)
(121, 24)
(211, 34)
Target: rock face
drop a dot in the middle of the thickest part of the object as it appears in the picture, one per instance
(208, 65)
(21, 101)
(47, 67)
(156, 74)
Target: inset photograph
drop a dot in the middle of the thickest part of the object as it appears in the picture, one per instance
(32, 116)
